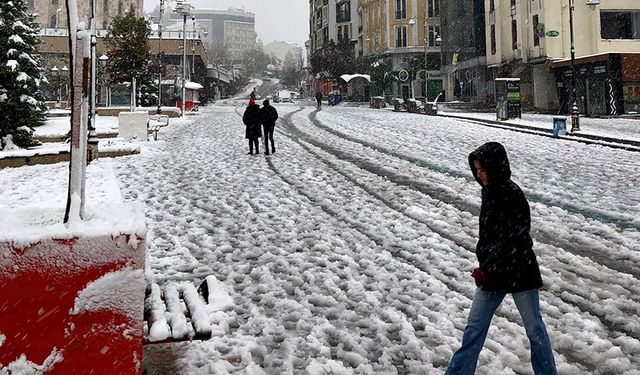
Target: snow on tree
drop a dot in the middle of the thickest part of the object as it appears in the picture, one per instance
(22, 105)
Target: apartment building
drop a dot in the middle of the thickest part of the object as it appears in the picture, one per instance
(331, 20)
(232, 29)
(399, 32)
(530, 40)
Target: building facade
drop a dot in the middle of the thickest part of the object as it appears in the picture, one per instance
(463, 50)
(406, 35)
(52, 14)
(231, 30)
(530, 40)
(331, 20)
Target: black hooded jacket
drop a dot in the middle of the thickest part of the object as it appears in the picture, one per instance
(504, 249)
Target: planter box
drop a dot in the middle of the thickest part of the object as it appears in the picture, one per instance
(72, 299)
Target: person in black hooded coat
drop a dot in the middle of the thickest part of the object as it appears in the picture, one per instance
(253, 132)
(507, 264)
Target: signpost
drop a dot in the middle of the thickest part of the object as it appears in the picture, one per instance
(508, 104)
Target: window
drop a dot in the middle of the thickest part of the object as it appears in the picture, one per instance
(432, 33)
(513, 3)
(433, 8)
(401, 36)
(620, 25)
(401, 9)
(493, 39)
(343, 12)
(492, 5)
(535, 24)
(514, 34)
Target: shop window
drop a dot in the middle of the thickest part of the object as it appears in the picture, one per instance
(620, 24)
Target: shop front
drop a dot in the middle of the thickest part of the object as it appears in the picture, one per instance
(606, 84)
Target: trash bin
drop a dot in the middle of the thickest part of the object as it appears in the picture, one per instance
(559, 126)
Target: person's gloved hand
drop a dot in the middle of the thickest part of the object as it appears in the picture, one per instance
(480, 276)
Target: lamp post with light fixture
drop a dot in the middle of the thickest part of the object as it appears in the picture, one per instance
(184, 9)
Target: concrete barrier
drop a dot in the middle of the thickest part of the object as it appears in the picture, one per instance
(133, 125)
(72, 300)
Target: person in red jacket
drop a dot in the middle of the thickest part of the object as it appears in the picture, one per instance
(507, 264)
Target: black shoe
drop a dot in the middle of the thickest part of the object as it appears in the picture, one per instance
(257, 152)
(267, 153)
(273, 150)
(249, 153)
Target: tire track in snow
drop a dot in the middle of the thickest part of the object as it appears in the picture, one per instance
(622, 223)
(581, 302)
(547, 238)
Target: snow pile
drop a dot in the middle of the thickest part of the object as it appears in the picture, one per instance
(23, 366)
(121, 291)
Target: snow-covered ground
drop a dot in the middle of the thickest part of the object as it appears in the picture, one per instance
(349, 250)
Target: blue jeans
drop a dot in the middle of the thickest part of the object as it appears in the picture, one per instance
(484, 305)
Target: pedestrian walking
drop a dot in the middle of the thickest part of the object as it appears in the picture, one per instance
(268, 117)
(507, 264)
(252, 96)
(319, 99)
(251, 119)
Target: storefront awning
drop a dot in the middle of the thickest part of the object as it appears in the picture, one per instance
(349, 77)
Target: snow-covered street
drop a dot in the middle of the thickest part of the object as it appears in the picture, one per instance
(350, 250)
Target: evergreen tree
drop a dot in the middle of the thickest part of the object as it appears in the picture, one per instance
(22, 105)
(129, 53)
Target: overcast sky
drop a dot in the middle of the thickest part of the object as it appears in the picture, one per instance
(276, 20)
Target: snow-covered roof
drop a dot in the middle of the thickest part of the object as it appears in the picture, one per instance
(349, 77)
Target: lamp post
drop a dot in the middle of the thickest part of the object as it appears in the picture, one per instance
(64, 71)
(56, 71)
(184, 9)
(575, 117)
(103, 63)
(193, 50)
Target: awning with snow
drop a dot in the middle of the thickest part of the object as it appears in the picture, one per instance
(349, 77)
(193, 85)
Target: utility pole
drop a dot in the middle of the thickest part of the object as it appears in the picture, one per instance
(575, 116)
(92, 140)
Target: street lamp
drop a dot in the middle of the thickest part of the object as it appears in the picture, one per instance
(575, 118)
(103, 63)
(184, 9)
(56, 71)
(161, 20)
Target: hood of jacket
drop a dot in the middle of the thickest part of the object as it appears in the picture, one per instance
(493, 158)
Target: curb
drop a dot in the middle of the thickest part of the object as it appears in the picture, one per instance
(585, 138)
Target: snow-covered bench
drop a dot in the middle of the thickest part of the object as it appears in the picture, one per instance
(180, 312)
(155, 123)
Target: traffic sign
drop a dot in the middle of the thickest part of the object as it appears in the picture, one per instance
(552, 33)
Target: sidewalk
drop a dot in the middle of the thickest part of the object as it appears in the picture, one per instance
(623, 130)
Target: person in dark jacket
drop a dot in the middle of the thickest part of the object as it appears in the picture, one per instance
(251, 119)
(319, 99)
(507, 264)
(268, 117)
